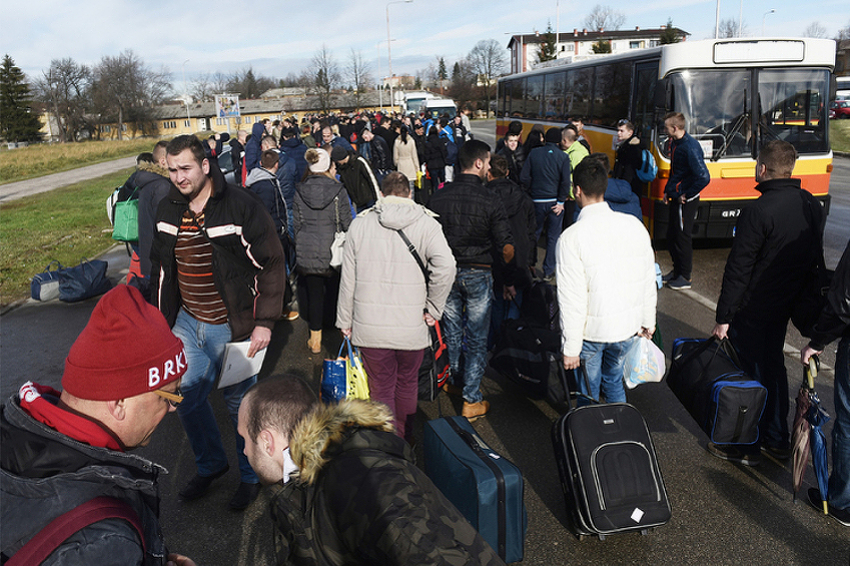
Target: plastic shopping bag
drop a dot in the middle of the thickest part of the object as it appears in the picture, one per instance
(645, 363)
(344, 377)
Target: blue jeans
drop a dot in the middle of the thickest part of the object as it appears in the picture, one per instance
(839, 481)
(547, 218)
(471, 295)
(603, 362)
(204, 344)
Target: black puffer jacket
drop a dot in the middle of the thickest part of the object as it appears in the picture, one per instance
(435, 150)
(475, 224)
(248, 261)
(45, 474)
(629, 159)
(516, 159)
(318, 201)
(775, 248)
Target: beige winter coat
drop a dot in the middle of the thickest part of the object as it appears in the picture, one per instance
(382, 292)
(406, 158)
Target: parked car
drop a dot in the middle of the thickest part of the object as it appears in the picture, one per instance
(839, 109)
(225, 163)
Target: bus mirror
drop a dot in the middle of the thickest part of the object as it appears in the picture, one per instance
(662, 94)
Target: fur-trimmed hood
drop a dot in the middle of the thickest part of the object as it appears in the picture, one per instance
(328, 425)
(153, 168)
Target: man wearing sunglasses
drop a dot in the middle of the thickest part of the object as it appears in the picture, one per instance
(67, 452)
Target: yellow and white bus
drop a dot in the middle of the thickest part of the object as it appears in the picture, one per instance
(736, 95)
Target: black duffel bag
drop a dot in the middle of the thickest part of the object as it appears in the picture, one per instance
(725, 402)
(88, 279)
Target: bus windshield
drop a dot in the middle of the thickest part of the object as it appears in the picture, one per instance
(718, 107)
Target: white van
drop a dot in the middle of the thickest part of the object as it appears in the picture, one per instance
(437, 107)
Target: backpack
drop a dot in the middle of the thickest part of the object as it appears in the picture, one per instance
(648, 169)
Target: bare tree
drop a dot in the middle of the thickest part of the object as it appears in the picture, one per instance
(219, 82)
(201, 88)
(729, 28)
(487, 61)
(844, 33)
(124, 90)
(358, 74)
(248, 84)
(814, 29)
(326, 77)
(64, 88)
(604, 17)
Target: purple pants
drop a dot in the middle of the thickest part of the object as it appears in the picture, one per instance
(394, 381)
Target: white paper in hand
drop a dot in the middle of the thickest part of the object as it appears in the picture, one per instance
(237, 366)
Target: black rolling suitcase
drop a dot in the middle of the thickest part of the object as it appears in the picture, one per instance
(609, 471)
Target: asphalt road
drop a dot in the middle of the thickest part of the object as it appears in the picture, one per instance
(722, 514)
(18, 189)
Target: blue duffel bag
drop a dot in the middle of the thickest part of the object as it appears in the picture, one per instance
(485, 487)
(88, 279)
(45, 285)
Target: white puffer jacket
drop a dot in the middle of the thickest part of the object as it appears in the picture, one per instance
(382, 293)
(606, 278)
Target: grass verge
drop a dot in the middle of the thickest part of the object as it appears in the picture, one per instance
(65, 224)
(43, 159)
(839, 135)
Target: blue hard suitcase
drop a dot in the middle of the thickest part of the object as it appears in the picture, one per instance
(484, 486)
(609, 471)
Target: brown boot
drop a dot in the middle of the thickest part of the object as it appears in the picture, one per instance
(453, 389)
(315, 341)
(474, 411)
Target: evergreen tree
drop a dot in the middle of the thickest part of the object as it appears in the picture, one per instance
(549, 46)
(669, 34)
(17, 120)
(442, 73)
(601, 46)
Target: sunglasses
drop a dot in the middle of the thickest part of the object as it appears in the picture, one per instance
(173, 399)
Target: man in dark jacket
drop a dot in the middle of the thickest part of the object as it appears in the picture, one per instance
(477, 229)
(688, 176)
(253, 147)
(520, 211)
(230, 287)
(513, 151)
(377, 153)
(834, 322)
(547, 173)
(357, 177)
(777, 241)
(346, 488)
(62, 450)
(629, 157)
(154, 184)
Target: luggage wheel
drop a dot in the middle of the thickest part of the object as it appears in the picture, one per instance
(601, 537)
(644, 532)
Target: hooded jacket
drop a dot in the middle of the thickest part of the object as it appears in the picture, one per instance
(295, 149)
(367, 502)
(382, 291)
(45, 474)
(253, 147)
(776, 246)
(154, 185)
(266, 186)
(318, 201)
(359, 180)
(248, 263)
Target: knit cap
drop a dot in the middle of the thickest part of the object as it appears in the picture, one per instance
(126, 349)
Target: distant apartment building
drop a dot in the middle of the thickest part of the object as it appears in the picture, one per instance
(579, 43)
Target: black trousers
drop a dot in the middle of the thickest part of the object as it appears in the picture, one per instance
(680, 227)
(317, 297)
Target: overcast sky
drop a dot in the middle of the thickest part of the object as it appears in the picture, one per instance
(277, 38)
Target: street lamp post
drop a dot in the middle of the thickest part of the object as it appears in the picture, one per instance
(771, 11)
(186, 95)
(389, 50)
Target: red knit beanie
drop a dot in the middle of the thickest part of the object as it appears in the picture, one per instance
(125, 350)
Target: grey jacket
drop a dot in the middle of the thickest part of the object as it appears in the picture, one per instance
(317, 202)
(382, 292)
(46, 474)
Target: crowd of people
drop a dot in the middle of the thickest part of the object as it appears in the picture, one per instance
(381, 226)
